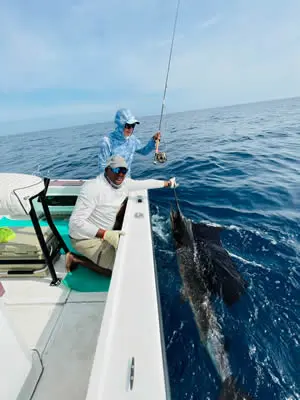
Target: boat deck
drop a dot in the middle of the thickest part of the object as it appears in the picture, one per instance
(71, 357)
(59, 325)
(62, 325)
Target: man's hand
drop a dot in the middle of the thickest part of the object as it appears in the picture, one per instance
(156, 136)
(172, 183)
(113, 237)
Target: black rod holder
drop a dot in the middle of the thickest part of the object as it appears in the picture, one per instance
(41, 239)
(43, 200)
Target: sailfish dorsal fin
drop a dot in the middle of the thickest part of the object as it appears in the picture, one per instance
(207, 232)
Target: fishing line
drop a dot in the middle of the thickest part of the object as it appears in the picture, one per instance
(176, 198)
(161, 156)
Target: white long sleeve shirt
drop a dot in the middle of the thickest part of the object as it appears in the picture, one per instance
(98, 204)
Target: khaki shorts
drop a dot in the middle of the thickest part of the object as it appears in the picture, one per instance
(97, 250)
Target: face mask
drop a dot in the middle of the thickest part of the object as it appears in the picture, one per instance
(111, 183)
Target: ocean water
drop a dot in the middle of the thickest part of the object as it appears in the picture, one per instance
(238, 167)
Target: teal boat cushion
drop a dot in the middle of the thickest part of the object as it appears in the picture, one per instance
(84, 280)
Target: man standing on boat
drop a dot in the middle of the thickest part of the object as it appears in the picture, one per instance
(123, 142)
(92, 222)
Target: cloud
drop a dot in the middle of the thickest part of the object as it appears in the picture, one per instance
(117, 53)
(210, 22)
(82, 47)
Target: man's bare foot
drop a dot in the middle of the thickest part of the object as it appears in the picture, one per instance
(70, 262)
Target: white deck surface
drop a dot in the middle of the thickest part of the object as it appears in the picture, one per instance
(63, 326)
(69, 354)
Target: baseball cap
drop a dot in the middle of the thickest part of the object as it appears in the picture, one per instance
(116, 161)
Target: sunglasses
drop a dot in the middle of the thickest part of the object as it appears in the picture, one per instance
(129, 126)
(119, 170)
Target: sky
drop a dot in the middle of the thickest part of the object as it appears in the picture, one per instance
(70, 62)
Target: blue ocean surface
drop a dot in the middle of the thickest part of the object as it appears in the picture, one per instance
(237, 167)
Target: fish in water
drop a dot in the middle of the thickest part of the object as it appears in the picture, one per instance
(206, 269)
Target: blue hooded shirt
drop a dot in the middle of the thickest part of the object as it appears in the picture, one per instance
(115, 143)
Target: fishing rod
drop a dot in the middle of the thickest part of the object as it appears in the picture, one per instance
(160, 156)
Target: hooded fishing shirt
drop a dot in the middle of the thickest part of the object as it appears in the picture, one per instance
(115, 143)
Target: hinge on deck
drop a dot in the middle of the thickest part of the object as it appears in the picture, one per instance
(56, 283)
(131, 376)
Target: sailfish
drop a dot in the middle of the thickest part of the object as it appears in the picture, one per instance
(206, 269)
